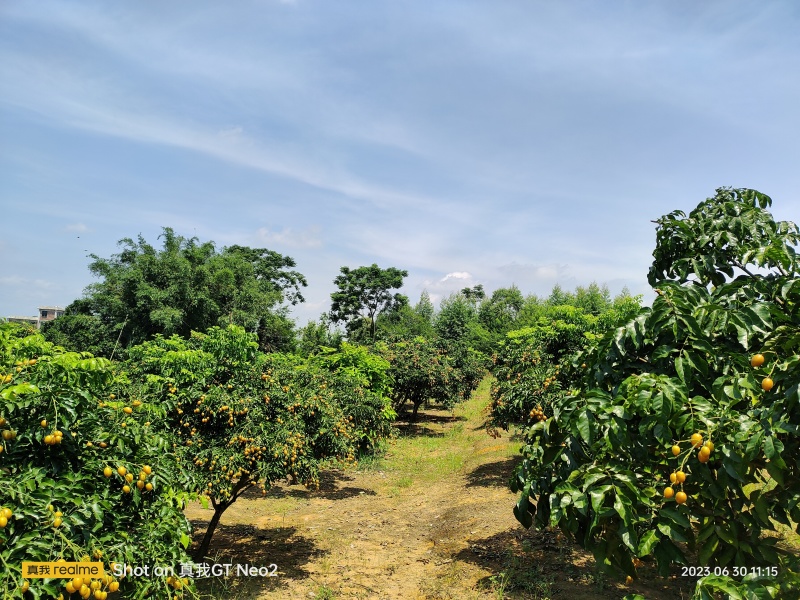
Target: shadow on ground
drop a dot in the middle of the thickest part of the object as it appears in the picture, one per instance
(255, 547)
(493, 474)
(332, 486)
(427, 423)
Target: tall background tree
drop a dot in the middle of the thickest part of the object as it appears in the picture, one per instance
(183, 287)
(363, 294)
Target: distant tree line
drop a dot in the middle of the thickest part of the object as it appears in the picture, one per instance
(188, 285)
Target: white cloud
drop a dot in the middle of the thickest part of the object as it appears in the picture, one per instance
(77, 227)
(307, 238)
(231, 132)
(19, 282)
(457, 275)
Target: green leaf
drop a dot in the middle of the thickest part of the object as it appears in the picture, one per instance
(707, 551)
(584, 425)
(679, 369)
(675, 516)
(775, 472)
(647, 542)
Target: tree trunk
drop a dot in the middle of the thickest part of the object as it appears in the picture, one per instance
(416, 401)
(219, 508)
(203, 549)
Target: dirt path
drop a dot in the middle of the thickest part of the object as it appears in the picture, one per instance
(433, 519)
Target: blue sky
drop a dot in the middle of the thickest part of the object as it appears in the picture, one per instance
(501, 142)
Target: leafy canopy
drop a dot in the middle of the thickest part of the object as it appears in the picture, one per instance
(183, 287)
(600, 467)
(364, 293)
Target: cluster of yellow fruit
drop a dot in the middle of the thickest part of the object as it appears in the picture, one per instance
(141, 483)
(177, 583)
(53, 438)
(705, 448)
(538, 414)
(5, 378)
(678, 477)
(8, 434)
(766, 384)
(551, 379)
(5, 515)
(92, 588)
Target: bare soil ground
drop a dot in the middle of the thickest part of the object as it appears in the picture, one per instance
(431, 519)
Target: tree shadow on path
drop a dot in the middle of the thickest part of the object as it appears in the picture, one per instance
(493, 474)
(251, 546)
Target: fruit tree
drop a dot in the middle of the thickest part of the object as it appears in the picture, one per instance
(238, 418)
(679, 438)
(81, 476)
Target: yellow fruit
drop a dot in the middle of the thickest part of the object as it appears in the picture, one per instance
(108, 471)
(70, 588)
(142, 475)
(140, 484)
(704, 454)
(49, 440)
(680, 497)
(127, 410)
(113, 586)
(757, 360)
(147, 469)
(676, 450)
(122, 471)
(767, 384)
(680, 476)
(57, 522)
(25, 586)
(6, 512)
(149, 487)
(673, 477)
(669, 492)
(43, 423)
(629, 580)
(3, 522)
(111, 396)
(126, 489)
(8, 434)
(710, 445)
(77, 583)
(129, 477)
(697, 440)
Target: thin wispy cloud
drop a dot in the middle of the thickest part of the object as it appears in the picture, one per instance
(517, 142)
(289, 238)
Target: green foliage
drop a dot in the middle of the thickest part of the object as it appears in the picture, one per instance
(599, 466)
(63, 505)
(456, 313)
(405, 322)
(317, 335)
(534, 366)
(365, 293)
(186, 286)
(425, 370)
(499, 313)
(729, 232)
(238, 418)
